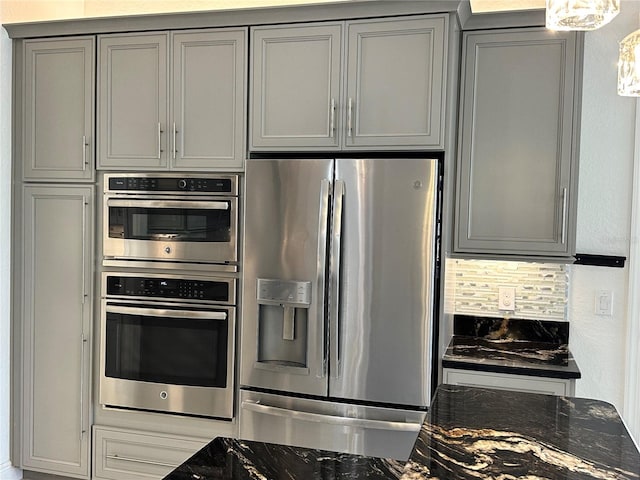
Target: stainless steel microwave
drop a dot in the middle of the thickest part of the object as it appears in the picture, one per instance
(170, 217)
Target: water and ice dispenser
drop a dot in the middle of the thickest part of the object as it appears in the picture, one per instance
(283, 319)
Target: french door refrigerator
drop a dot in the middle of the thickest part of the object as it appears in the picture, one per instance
(338, 302)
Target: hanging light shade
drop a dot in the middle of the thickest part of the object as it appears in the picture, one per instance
(629, 66)
(580, 14)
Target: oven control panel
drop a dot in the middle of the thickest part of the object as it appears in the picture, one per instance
(170, 184)
(168, 288)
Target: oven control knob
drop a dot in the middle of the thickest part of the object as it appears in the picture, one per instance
(182, 183)
(167, 249)
(163, 395)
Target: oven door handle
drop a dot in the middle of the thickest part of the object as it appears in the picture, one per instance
(169, 204)
(153, 312)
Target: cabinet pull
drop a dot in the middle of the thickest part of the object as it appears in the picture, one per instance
(84, 249)
(159, 141)
(83, 341)
(84, 152)
(174, 141)
(350, 117)
(564, 215)
(332, 116)
(115, 456)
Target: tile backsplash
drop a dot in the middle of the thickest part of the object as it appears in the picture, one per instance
(540, 288)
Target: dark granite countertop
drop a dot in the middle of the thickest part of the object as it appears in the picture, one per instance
(509, 345)
(518, 357)
(469, 433)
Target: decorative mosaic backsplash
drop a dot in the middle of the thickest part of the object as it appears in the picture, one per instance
(540, 288)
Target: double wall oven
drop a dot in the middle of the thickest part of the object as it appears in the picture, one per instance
(168, 317)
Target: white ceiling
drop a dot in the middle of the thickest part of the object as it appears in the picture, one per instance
(483, 6)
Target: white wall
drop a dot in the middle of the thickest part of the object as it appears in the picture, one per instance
(604, 213)
(6, 471)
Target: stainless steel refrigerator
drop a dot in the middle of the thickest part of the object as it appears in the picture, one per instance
(338, 302)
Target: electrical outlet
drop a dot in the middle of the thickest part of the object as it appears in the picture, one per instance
(507, 298)
(604, 303)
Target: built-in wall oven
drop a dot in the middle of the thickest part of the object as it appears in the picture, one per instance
(167, 343)
(171, 217)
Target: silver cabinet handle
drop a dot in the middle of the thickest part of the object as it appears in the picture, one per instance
(168, 204)
(84, 249)
(332, 117)
(84, 152)
(334, 279)
(174, 141)
(115, 456)
(350, 117)
(330, 419)
(83, 341)
(323, 218)
(159, 140)
(564, 215)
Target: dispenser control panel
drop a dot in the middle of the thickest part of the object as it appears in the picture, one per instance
(272, 291)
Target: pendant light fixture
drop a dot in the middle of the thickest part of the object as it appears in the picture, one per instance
(580, 14)
(629, 66)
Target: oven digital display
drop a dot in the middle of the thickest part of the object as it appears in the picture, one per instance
(207, 290)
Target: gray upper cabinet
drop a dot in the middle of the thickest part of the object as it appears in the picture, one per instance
(208, 100)
(395, 75)
(295, 86)
(56, 328)
(313, 89)
(517, 170)
(191, 119)
(132, 103)
(58, 115)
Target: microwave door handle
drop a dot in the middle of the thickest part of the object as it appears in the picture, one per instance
(168, 204)
(323, 219)
(334, 279)
(257, 407)
(153, 312)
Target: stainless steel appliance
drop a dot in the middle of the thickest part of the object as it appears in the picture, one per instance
(168, 343)
(338, 302)
(166, 217)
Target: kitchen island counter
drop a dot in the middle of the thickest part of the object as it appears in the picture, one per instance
(469, 433)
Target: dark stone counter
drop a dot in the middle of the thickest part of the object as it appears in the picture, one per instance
(515, 346)
(469, 433)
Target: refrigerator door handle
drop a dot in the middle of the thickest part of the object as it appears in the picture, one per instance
(334, 278)
(323, 219)
(330, 419)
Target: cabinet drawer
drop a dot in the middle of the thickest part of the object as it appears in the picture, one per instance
(505, 381)
(130, 455)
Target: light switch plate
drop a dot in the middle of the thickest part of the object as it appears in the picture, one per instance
(507, 298)
(604, 303)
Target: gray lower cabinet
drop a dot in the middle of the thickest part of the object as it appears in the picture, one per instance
(172, 100)
(122, 454)
(57, 262)
(349, 85)
(58, 109)
(506, 381)
(518, 143)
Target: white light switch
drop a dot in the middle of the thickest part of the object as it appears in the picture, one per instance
(604, 302)
(507, 298)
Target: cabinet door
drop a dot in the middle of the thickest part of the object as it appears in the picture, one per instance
(132, 108)
(517, 137)
(209, 80)
(505, 381)
(295, 87)
(56, 327)
(395, 81)
(132, 455)
(58, 109)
